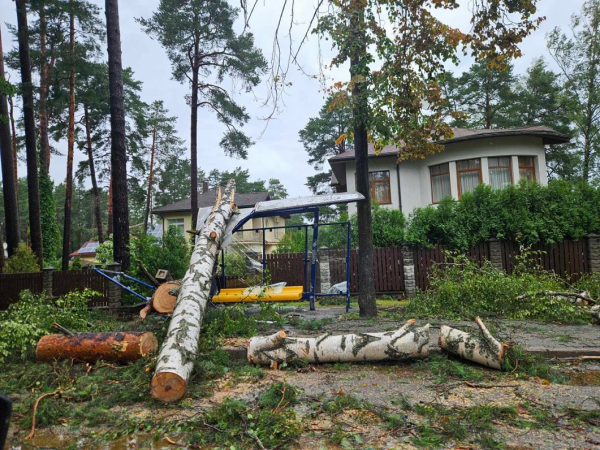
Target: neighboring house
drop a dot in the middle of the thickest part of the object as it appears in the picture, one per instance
(87, 252)
(497, 157)
(179, 215)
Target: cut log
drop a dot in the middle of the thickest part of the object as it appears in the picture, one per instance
(163, 301)
(481, 348)
(178, 351)
(91, 347)
(408, 341)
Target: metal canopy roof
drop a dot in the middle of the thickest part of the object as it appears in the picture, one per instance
(271, 208)
(297, 205)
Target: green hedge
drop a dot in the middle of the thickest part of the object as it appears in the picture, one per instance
(527, 213)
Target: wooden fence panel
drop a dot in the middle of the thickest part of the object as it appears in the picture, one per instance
(567, 259)
(11, 285)
(288, 267)
(66, 281)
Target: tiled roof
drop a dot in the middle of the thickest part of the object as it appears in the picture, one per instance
(208, 199)
(548, 135)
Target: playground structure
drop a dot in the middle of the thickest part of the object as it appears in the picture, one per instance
(280, 292)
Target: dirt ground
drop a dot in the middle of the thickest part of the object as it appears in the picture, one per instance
(436, 403)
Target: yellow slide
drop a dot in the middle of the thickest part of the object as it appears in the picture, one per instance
(252, 294)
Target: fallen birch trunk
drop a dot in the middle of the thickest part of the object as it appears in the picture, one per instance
(91, 347)
(595, 312)
(409, 341)
(483, 348)
(178, 351)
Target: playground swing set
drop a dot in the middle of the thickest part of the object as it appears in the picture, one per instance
(278, 292)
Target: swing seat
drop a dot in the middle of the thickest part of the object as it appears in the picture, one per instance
(269, 294)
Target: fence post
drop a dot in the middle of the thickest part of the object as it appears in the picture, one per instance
(324, 271)
(593, 252)
(495, 253)
(47, 281)
(410, 285)
(114, 291)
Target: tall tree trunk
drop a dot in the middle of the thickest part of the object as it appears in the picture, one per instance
(194, 144)
(11, 204)
(358, 67)
(14, 143)
(29, 121)
(109, 225)
(149, 194)
(43, 103)
(118, 157)
(95, 191)
(66, 250)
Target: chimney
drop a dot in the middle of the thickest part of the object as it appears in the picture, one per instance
(204, 186)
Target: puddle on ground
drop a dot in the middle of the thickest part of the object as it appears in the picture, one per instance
(588, 378)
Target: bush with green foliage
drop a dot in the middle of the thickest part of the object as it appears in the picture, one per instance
(461, 290)
(527, 213)
(76, 264)
(23, 260)
(25, 322)
(170, 253)
(104, 251)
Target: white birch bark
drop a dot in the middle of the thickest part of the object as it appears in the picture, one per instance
(178, 351)
(408, 341)
(595, 312)
(481, 348)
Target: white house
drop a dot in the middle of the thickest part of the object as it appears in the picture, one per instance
(497, 157)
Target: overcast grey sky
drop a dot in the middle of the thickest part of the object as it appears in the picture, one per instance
(277, 152)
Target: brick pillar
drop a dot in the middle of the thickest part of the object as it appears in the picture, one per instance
(495, 253)
(47, 281)
(410, 285)
(593, 252)
(324, 272)
(114, 291)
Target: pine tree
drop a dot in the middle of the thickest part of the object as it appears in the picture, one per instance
(203, 47)
(11, 207)
(29, 122)
(323, 137)
(578, 57)
(118, 159)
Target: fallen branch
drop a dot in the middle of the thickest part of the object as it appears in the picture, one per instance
(579, 298)
(408, 341)
(35, 408)
(62, 329)
(483, 349)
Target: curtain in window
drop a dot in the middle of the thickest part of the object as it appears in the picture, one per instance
(526, 173)
(382, 191)
(441, 186)
(468, 181)
(500, 178)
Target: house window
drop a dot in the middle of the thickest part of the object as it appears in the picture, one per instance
(380, 187)
(527, 168)
(177, 223)
(440, 182)
(500, 172)
(469, 175)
